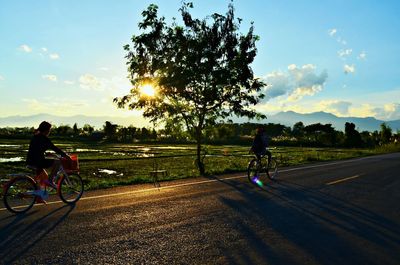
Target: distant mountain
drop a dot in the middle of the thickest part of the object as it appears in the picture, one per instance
(96, 121)
(289, 118)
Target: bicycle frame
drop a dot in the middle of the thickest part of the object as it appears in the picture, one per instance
(20, 186)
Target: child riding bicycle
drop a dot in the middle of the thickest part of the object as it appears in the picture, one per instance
(36, 158)
(260, 144)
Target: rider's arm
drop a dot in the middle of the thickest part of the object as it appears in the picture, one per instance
(56, 149)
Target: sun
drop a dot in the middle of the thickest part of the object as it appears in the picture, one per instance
(148, 90)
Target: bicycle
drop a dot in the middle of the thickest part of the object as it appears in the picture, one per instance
(257, 170)
(19, 191)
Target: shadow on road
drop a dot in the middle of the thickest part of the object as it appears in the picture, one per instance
(17, 238)
(315, 226)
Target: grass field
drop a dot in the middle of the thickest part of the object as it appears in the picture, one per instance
(107, 165)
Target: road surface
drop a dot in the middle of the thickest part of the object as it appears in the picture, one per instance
(344, 212)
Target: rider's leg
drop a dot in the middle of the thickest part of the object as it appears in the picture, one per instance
(41, 177)
(56, 165)
(268, 153)
(258, 160)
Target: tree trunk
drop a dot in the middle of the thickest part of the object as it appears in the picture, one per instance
(199, 160)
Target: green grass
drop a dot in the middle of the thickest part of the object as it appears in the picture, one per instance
(132, 163)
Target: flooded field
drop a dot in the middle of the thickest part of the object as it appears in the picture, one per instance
(106, 165)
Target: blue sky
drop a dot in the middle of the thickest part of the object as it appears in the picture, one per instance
(66, 57)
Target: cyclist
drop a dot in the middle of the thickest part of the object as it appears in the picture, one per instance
(36, 158)
(260, 144)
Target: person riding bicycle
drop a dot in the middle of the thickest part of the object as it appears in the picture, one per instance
(260, 144)
(36, 155)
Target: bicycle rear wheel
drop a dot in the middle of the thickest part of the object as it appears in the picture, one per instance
(254, 172)
(272, 169)
(19, 194)
(70, 188)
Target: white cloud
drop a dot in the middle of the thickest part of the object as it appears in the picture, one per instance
(54, 105)
(344, 52)
(332, 32)
(52, 78)
(390, 111)
(2, 78)
(44, 49)
(341, 41)
(54, 56)
(90, 82)
(69, 82)
(300, 92)
(296, 83)
(362, 55)
(363, 111)
(104, 69)
(25, 48)
(337, 107)
(306, 81)
(33, 104)
(349, 69)
(278, 84)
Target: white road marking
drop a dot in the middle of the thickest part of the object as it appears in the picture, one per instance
(200, 182)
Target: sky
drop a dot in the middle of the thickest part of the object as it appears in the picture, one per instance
(67, 57)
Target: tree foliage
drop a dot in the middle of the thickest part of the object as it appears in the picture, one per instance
(201, 70)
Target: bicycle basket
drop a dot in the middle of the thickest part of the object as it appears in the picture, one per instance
(70, 165)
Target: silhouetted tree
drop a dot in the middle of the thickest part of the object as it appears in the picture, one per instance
(298, 129)
(353, 137)
(75, 129)
(87, 129)
(201, 70)
(385, 133)
(110, 130)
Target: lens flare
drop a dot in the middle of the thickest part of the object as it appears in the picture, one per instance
(147, 90)
(258, 181)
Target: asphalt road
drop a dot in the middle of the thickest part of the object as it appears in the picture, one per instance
(345, 212)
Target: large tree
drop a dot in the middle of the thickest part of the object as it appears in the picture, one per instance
(201, 71)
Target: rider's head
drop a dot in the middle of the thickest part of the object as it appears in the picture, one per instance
(44, 128)
(260, 129)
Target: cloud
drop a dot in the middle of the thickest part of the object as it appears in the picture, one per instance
(104, 69)
(296, 83)
(365, 110)
(332, 32)
(362, 55)
(344, 52)
(54, 56)
(300, 92)
(390, 111)
(44, 49)
(278, 84)
(2, 78)
(52, 78)
(90, 82)
(54, 105)
(337, 107)
(69, 82)
(349, 69)
(341, 41)
(33, 104)
(306, 81)
(25, 48)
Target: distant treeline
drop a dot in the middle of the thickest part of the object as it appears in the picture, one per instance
(317, 134)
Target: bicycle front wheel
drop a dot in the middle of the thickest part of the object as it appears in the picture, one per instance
(272, 169)
(254, 172)
(19, 194)
(70, 188)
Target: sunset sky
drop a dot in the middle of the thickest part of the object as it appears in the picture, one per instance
(66, 57)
